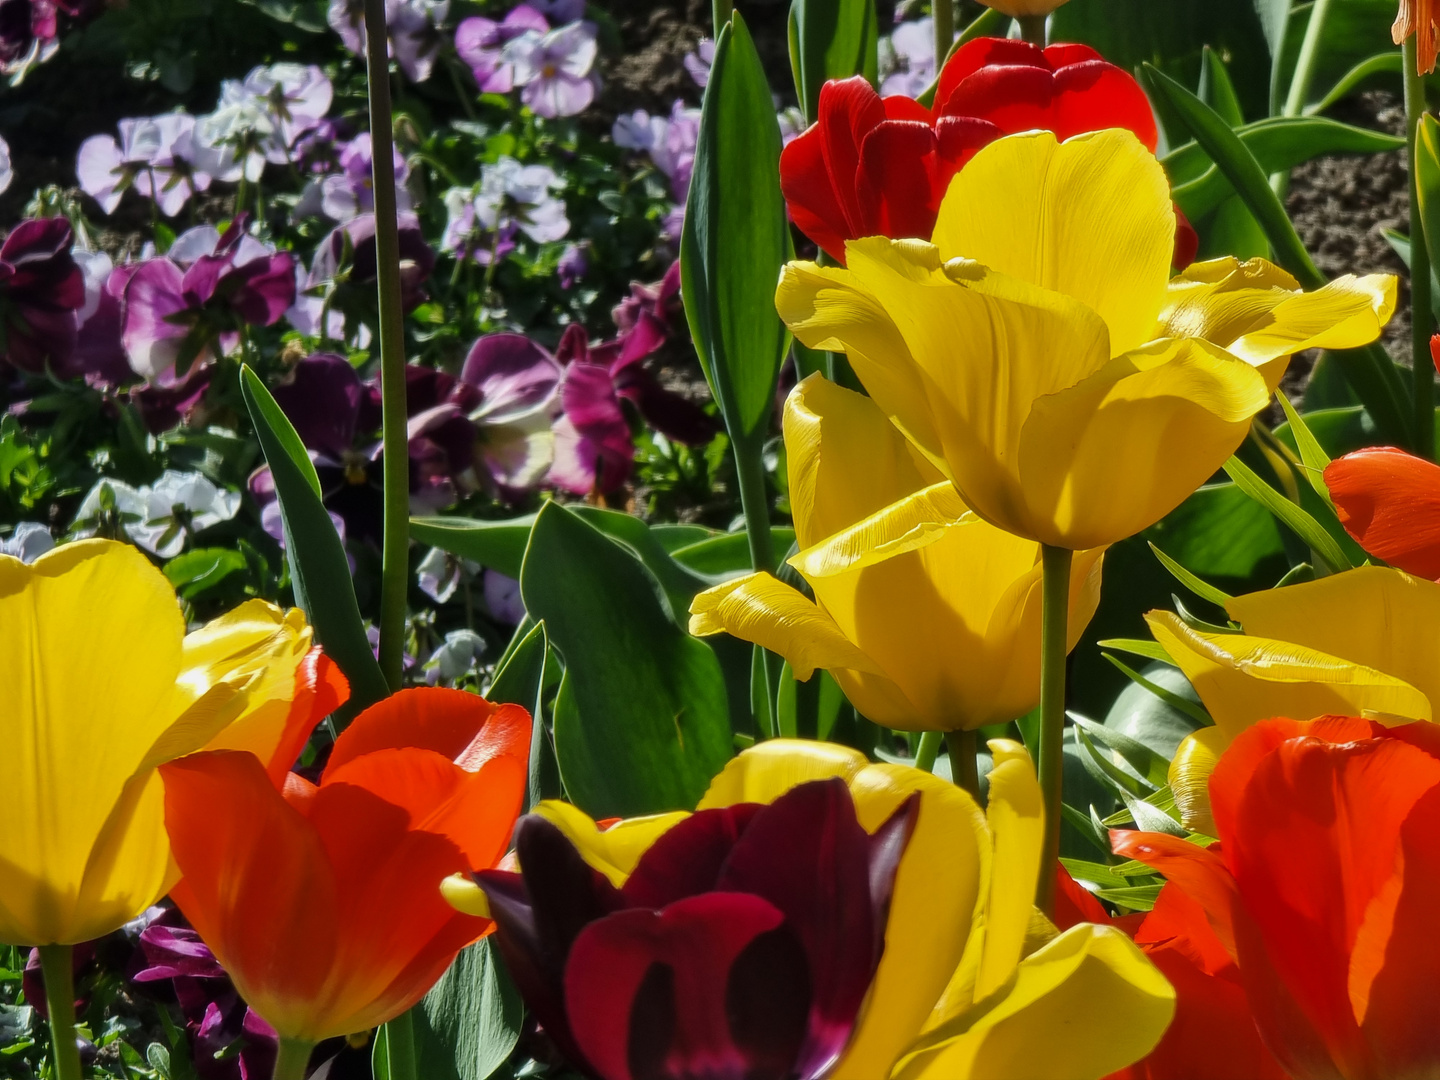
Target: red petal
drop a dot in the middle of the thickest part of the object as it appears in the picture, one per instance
(1180, 922)
(899, 107)
(1389, 501)
(1095, 95)
(1187, 241)
(433, 718)
(974, 55)
(320, 689)
(257, 884)
(1074, 903)
(849, 110)
(809, 192)
(960, 139)
(897, 179)
(654, 994)
(1066, 53)
(1197, 871)
(1013, 98)
(687, 860)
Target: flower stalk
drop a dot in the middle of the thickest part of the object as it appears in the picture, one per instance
(1055, 566)
(396, 547)
(1421, 317)
(720, 11)
(291, 1059)
(944, 16)
(927, 751)
(400, 1047)
(961, 744)
(1032, 29)
(56, 965)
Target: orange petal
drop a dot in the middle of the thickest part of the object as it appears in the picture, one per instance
(1389, 501)
(257, 884)
(320, 689)
(433, 718)
(1197, 871)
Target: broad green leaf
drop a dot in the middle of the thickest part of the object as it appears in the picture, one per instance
(203, 568)
(1370, 370)
(1118, 781)
(736, 239)
(1354, 31)
(521, 681)
(470, 1021)
(318, 566)
(1202, 589)
(1220, 533)
(831, 39)
(1143, 760)
(1156, 724)
(641, 719)
(1304, 526)
(728, 553)
(1338, 431)
(1216, 89)
(1427, 178)
(672, 537)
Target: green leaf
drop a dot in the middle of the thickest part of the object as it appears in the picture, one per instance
(736, 239)
(1277, 145)
(1427, 177)
(1174, 700)
(674, 537)
(1144, 761)
(318, 566)
(1136, 897)
(1386, 63)
(521, 681)
(1216, 89)
(1310, 531)
(1312, 455)
(470, 1021)
(641, 718)
(196, 571)
(727, 554)
(1150, 650)
(1202, 589)
(1220, 532)
(1107, 773)
(831, 39)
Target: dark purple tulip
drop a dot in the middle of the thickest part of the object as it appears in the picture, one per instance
(417, 258)
(740, 948)
(41, 288)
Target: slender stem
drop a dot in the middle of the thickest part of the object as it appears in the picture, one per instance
(927, 751)
(1055, 604)
(1032, 29)
(1309, 55)
(944, 15)
(1422, 322)
(755, 503)
(961, 744)
(291, 1059)
(56, 966)
(721, 10)
(395, 567)
(400, 1047)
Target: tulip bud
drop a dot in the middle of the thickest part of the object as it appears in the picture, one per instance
(1020, 9)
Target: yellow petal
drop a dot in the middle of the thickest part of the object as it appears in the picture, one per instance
(613, 851)
(1243, 678)
(766, 611)
(130, 865)
(936, 892)
(1016, 816)
(1374, 616)
(92, 643)
(1090, 218)
(1083, 1006)
(845, 459)
(461, 893)
(907, 525)
(1113, 455)
(1195, 759)
(767, 770)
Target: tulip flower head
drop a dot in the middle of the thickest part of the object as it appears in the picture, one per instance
(1364, 641)
(1389, 501)
(103, 686)
(1418, 17)
(1322, 889)
(927, 616)
(1022, 350)
(669, 918)
(323, 901)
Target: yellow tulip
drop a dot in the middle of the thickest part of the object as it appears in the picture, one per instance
(1256, 311)
(1362, 643)
(964, 946)
(103, 685)
(1022, 349)
(927, 616)
(1020, 9)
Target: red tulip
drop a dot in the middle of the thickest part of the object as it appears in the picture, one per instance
(1322, 889)
(1389, 501)
(879, 167)
(323, 903)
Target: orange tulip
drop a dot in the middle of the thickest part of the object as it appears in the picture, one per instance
(1389, 501)
(323, 903)
(1418, 17)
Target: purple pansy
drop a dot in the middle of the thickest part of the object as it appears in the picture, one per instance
(351, 192)
(573, 265)
(555, 69)
(41, 289)
(417, 258)
(481, 42)
(158, 156)
(415, 37)
(99, 354)
(699, 62)
(178, 309)
(668, 140)
(483, 220)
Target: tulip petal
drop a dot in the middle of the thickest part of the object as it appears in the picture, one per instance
(688, 859)
(1084, 1005)
(767, 770)
(73, 743)
(764, 610)
(229, 829)
(1189, 776)
(1016, 816)
(1243, 679)
(1095, 459)
(1372, 615)
(1197, 871)
(1389, 501)
(907, 525)
(1090, 217)
(810, 194)
(713, 985)
(615, 851)
(458, 725)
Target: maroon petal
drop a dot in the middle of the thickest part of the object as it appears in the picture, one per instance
(670, 414)
(512, 373)
(714, 986)
(322, 399)
(263, 290)
(574, 345)
(687, 860)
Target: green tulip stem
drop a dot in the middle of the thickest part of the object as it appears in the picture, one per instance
(1032, 29)
(962, 745)
(720, 11)
(56, 966)
(395, 566)
(927, 751)
(1421, 317)
(944, 16)
(400, 1047)
(291, 1059)
(1054, 609)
